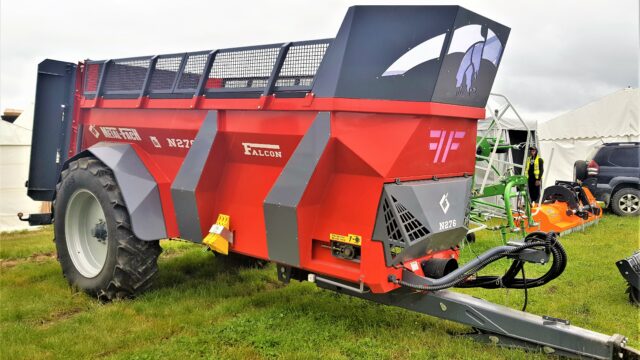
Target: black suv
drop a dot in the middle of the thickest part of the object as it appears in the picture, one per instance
(612, 174)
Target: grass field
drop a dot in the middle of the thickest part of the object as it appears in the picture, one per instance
(201, 309)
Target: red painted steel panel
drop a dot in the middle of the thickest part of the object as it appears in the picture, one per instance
(372, 142)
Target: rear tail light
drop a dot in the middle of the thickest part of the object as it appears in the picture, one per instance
(593, 168)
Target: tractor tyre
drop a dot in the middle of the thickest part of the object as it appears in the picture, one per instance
(580, 170)
(96, 247)
(626, 202)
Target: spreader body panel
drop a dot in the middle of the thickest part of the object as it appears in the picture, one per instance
(348, 157)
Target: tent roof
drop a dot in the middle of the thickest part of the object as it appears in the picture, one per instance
(12, 134)
(25, 119)
(510, 123)
(614, 115)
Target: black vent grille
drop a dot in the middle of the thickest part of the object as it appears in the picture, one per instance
(393, 230)
(126, 75)
(398, 220)
(412, 226)
(165, 72)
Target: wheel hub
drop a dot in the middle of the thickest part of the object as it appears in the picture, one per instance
(629, 203)
(86, 233)
(99, 231)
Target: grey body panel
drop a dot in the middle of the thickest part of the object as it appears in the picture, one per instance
(52, 119)
(280, 206)
(428, 205)
(184, 185)
(139, 189)
(372, 38)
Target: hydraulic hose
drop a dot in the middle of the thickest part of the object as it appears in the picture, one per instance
(508, 280)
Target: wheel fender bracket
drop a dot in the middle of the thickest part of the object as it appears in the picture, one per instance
(139, 188)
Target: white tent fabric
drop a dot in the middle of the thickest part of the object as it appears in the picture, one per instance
(25, 119)
(15, 145)
(572, 136)
(510, 123)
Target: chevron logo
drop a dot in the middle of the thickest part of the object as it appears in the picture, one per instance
(447, 140)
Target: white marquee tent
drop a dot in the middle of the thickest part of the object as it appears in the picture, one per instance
(573, 135)
(15, 145)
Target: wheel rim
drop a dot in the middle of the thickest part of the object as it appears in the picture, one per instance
(629, 203)
(86, 233)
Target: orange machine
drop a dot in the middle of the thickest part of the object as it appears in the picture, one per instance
(566, 206)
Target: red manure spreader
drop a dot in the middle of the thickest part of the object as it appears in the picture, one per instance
(348, 162)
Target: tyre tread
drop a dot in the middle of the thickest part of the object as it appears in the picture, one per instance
(136, 260)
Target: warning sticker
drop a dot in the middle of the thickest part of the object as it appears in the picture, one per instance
(347, 239)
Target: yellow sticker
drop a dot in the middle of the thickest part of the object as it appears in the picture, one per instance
(348, 239)
(223, 220)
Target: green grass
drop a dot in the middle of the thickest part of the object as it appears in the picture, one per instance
(200, 309)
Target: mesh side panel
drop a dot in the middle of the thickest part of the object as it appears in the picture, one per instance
(242, 68)
(192, 71)
(91, 77)
(165, 73)
(301, 64)
(126, 75)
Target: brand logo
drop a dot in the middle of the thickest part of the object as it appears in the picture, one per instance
(120, 133)
(262, 150)
(444, 203)
(443, 136)
(92, 130)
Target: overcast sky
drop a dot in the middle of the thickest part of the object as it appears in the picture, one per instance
(560, 54)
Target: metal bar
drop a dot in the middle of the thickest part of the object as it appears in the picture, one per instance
(508, 326)
(103, 75)
(498, 160)
(315, 278)
(282, 54)
(486, 174)
(507, 203)
(205, 73)
(183, 63)
(509, 105)
(147, 78)
(235, 89)
(122, 92)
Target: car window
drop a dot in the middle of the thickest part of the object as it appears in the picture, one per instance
(625, 157)
(601, 155)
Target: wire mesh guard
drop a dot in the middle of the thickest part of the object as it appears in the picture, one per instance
(126, 75)
(243, 68)
(301, 64)
(91, 78)
(165, 73)
(229, 69)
